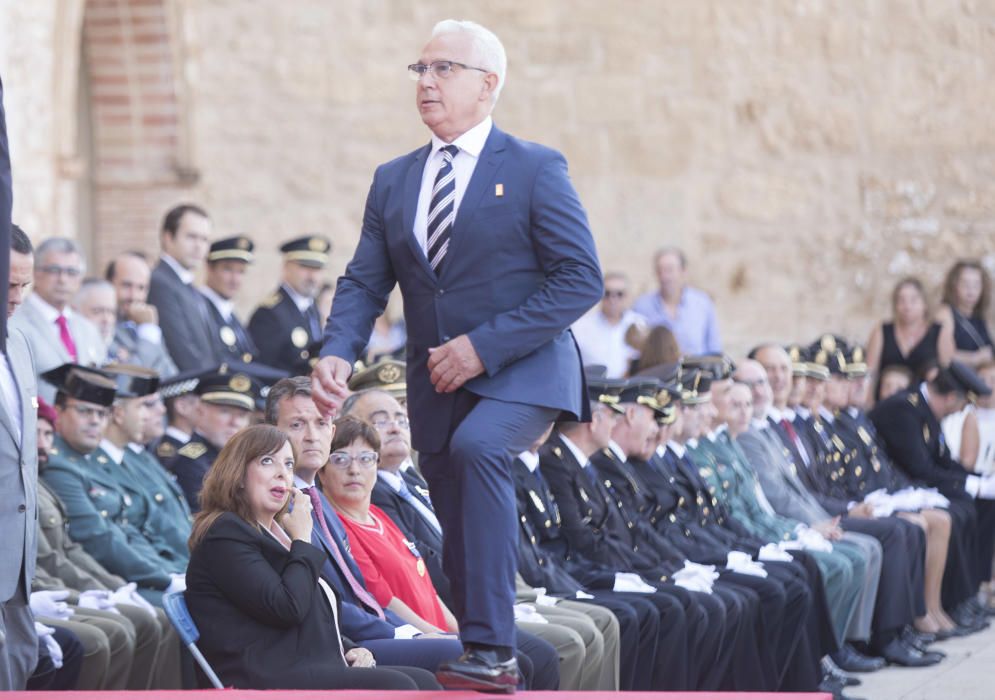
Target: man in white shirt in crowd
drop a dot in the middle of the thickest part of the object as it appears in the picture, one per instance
(601, 333)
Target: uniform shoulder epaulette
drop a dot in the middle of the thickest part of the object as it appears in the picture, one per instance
(913, 399)
(271, 301)
(192, 450)
(165, 449)
(557, 451)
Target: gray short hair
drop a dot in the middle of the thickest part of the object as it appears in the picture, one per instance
(488, 49)
(349, 405)
(59, 245)
(92, 284)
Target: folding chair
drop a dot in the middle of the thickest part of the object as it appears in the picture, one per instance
(175, 606)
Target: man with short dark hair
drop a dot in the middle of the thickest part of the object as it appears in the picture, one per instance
(18, 476)
(184, 237)
(137, 336)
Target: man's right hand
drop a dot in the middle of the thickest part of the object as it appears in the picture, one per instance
(330, 384)
(140, 312)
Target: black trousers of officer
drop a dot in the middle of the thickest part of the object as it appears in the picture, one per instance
(901, 592)
(639, 630)
(961, 576)
(986, 537)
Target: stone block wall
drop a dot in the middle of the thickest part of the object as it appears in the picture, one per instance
(805, 153)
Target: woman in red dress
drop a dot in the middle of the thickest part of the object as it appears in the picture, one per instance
(394, 570)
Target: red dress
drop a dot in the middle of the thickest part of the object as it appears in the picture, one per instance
(391, 566)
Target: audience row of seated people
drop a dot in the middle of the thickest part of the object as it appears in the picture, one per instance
(717, 526)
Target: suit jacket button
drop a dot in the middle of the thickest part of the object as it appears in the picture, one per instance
(440, 292)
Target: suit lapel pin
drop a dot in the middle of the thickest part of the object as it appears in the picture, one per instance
(499, 190)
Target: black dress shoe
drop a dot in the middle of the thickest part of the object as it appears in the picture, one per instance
(965, 617)
(980, 608)
(900, 654)
(849, 659)
(479, 669)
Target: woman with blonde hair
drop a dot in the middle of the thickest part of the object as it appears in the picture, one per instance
(266, 618)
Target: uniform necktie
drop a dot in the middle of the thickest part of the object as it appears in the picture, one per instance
(360, 592)
(442, 210)
(66, 337)
(405, 493)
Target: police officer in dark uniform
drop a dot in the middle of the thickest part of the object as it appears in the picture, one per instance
(227, 262)
(285, 326)
(174, 391)
(909, 425)
(227, 400)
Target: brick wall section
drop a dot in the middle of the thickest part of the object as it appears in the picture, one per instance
(135, 111)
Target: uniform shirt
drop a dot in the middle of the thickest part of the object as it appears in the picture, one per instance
(470, 144)
(602, 342)
(390, 567)
(695, 326)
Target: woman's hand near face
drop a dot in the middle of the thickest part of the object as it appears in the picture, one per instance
(298, 522)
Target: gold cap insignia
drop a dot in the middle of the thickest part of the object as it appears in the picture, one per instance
(388, 374)
(828, 343)
(240, 383)
(242, 244)
(317, 245)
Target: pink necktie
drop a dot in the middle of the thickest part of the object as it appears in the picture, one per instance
(66, 338)
(360, 592)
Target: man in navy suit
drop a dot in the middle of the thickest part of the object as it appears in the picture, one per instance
(492, 250)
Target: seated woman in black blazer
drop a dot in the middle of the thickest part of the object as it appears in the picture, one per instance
(266, 620)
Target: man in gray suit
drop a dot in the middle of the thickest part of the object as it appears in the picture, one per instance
(137, 337)
(182, 314)
(18, 477)
(56, 333)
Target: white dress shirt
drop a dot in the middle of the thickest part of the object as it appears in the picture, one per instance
(224, 306)
(602, 342)
(302, 303)
(186, 276)
(470, 144)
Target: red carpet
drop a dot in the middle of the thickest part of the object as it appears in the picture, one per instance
(408, 695)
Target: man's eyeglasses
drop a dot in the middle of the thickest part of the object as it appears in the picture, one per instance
(614, 293)
(55, 271)
(384, 423)
(344, 460)
(440, 69)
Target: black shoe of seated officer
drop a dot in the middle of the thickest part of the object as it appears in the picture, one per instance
(899, 653)
(852, 661)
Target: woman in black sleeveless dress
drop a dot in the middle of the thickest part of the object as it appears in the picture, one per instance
(910, 339)
(966, 294)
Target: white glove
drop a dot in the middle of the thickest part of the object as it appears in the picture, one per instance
(54, 650)
(49, 604)
(581, 595)
(812, 540)
(696, 577)
(742, 563)
(772, 552)
(177, 583)
(631, 583)
(527, 613)
(543, 599)
(96, 600)
(981, 486)
(128, 595)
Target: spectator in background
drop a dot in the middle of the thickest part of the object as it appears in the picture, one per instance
(184, 237)
(388, 338)
(96, 302)
(56, 333)
(137, 336)
(910, 339)
(602, 333)
(687, 311)
(893, 379)
(659, 348)
(966, 295)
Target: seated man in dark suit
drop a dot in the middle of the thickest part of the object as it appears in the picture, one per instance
(182, 316)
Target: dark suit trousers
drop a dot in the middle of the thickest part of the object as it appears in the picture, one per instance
(639, 627)
(960, 577)
(473, 489)
(420, 653)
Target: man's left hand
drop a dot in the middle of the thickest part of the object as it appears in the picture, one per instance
(453, 364)
(359, 657)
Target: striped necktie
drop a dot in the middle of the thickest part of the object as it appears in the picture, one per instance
(442, 210)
